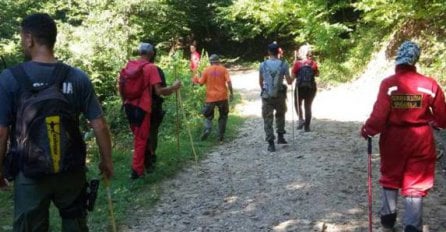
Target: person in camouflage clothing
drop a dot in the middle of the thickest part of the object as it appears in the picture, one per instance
(271, 74)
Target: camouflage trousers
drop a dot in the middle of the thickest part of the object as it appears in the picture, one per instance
(268, 107)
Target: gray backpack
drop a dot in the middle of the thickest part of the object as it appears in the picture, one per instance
(272, 81)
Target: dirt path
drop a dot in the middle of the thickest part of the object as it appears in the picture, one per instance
(319, 179)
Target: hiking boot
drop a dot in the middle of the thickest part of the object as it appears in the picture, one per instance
(385, 229)
(307, 129)
(149, 165)
(271, 147)
(410, 228)
(281, 139)
(150, 168)
(134, 175)
(147, 160)
(205, 135)
(388, 222)
(301, 124)
(220, 139)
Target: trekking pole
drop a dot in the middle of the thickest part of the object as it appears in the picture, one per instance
(188, 128)
(369, 180)
(109, 200)
(110, 203)
(176, 108)
(177, 129)
(179, 103)
(297, 102)
(293, 102)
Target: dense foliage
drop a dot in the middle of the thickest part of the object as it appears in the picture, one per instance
(99, 36)
(423, 21)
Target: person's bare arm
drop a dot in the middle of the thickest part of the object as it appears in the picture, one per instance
(293, 77)
(103, 139)
(293, 73)
(165, 91)
(231, 92)
(288, 78)
(200, 80)
(4, 134)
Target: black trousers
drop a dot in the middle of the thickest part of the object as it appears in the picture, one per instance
(208, 113)
(156, 118)
(304, 96)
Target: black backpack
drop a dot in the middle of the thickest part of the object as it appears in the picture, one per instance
(46, 138)
(305, 77)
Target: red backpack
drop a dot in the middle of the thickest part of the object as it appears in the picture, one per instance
(131, 80)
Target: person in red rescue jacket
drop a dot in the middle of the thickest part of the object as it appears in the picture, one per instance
(138, 110)
(407, 106)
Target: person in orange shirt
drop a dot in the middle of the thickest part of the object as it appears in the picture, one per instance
(217, 81)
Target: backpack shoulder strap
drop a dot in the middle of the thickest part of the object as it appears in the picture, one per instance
(143, 65)
(282, 63)
(304, 64)
(309, 63)
(268, 68)
(18, 72)
(142, 69)
(60, 73)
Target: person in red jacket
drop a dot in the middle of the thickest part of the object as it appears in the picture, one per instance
(305, 91)
(408, 104)
(139, 110)
(194, 60)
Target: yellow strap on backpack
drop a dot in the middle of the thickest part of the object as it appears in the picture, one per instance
(53, 129)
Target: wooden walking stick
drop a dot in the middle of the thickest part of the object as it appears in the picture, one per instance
(110, 203)
(177, 105)
(109, 200)
(188, 128)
